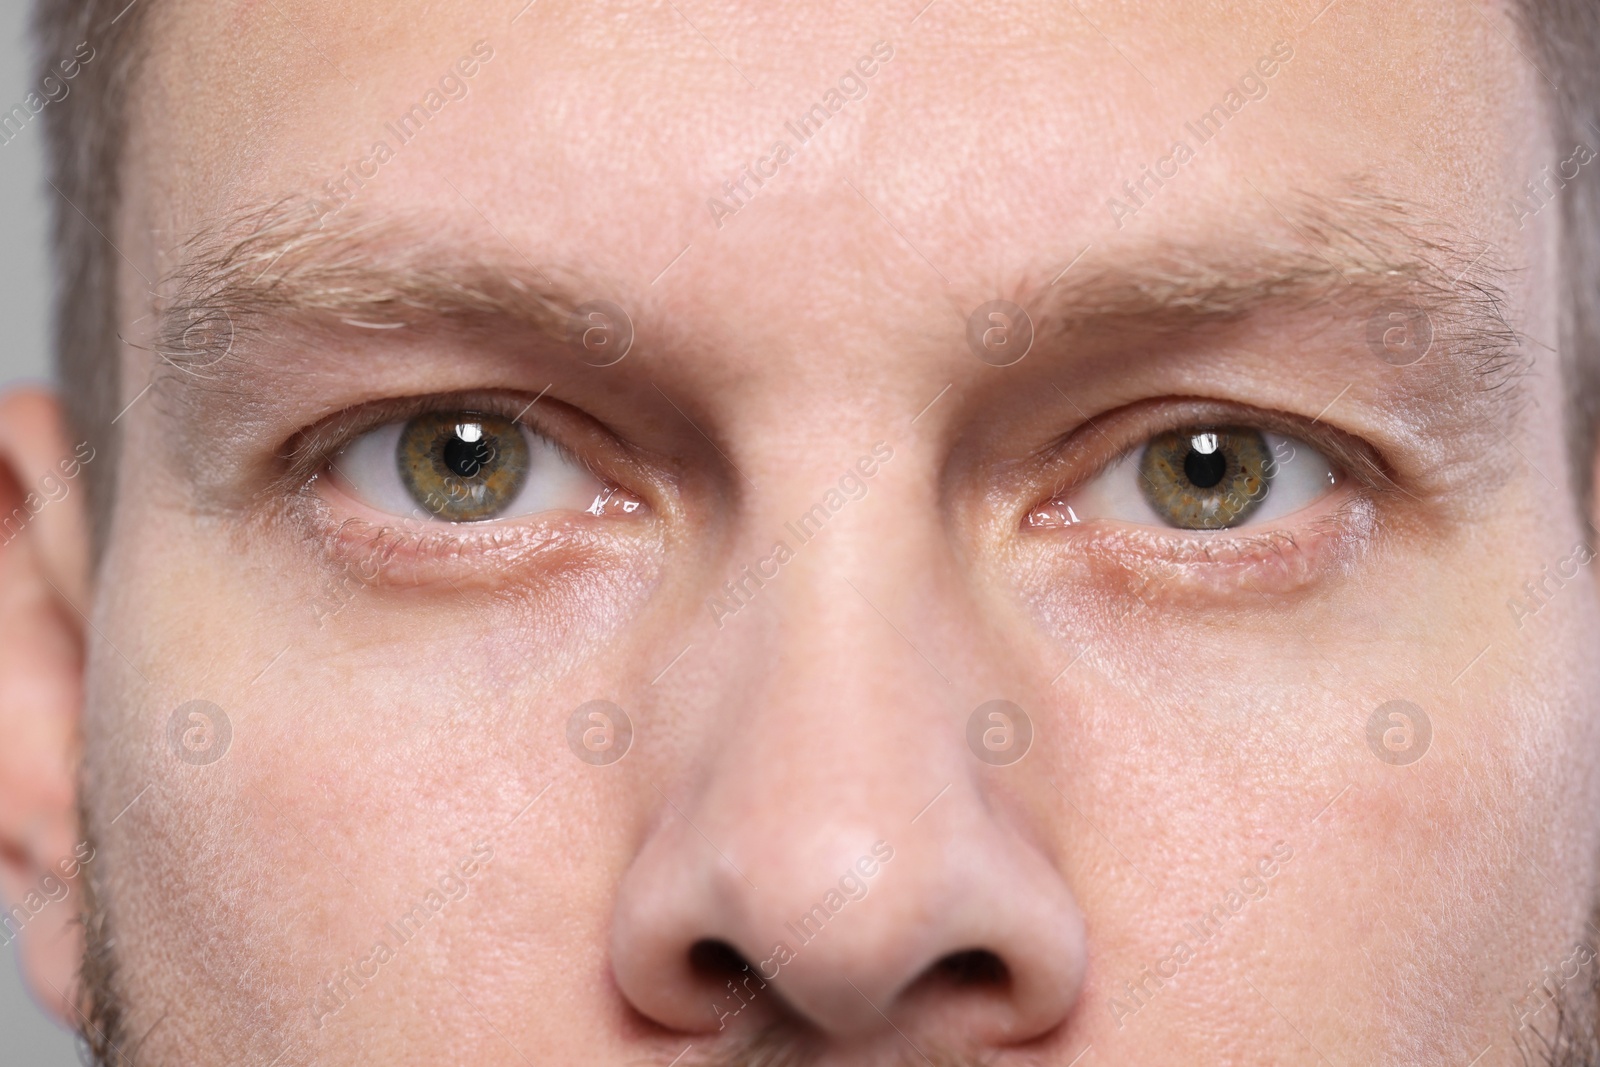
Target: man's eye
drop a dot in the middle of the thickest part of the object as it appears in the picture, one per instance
(1205, 478)
(462, 466)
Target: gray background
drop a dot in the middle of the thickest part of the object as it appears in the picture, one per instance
(27, 1038)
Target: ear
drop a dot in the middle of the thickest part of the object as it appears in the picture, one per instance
(43, 582)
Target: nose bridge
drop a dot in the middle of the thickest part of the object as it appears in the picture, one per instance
(836, 611)
(841, 694)
(834, 721)
(857, 628)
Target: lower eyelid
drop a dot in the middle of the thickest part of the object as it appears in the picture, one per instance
(1204, 566)
(449, 557)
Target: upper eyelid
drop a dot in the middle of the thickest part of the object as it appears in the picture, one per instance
(312, 448)
(1346, 452)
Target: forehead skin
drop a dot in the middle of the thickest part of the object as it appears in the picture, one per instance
(822, 317)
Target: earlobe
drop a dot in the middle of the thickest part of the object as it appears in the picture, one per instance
(43, 584)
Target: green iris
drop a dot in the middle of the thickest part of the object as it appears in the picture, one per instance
(1205, 478)
(463, 466)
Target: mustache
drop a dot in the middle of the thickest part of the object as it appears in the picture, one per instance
(787, 1044)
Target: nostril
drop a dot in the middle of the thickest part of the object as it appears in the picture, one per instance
(972, 968)
(716, 961)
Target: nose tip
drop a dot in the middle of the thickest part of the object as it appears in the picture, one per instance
(957, 926)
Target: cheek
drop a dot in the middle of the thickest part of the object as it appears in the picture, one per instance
(365, 756)
(1413, 885)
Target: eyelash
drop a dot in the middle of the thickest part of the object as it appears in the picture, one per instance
(310, 451)
(1351, 455)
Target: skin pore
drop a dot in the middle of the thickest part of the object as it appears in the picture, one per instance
(1208, 854)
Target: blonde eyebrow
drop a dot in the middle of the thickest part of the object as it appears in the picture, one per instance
(276, 263)
(1357, 251)
(1351, 252)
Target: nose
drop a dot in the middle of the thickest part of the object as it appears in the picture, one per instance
(833, 852)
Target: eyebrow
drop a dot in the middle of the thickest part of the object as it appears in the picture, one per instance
(1357, 251)
(276, 263)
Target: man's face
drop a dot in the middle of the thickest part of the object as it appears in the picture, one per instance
(1271, 460)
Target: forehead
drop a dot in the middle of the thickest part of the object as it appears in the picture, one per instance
(998, 138)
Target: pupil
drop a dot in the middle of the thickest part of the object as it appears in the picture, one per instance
(1205, 469)
(466, 458)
